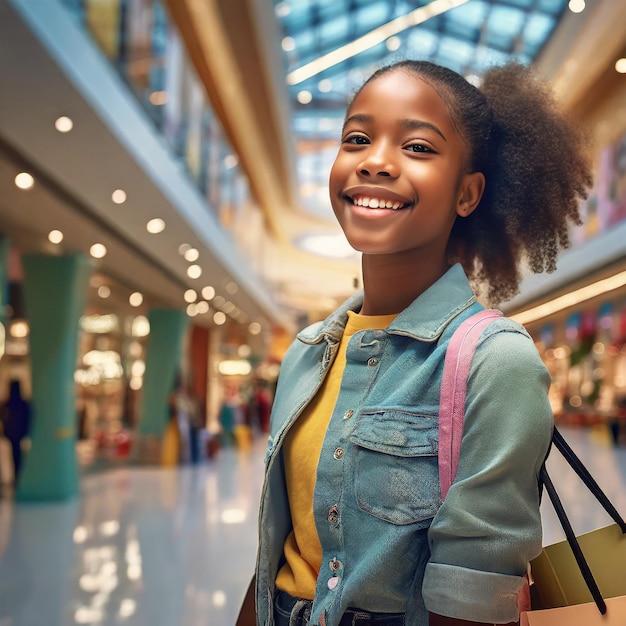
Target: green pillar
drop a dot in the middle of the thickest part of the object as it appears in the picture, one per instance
(167, 330)
(54, 296)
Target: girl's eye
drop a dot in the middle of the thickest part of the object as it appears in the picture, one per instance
(418, 147)
(358, 140)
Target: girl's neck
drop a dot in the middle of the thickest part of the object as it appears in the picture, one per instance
(390, 287)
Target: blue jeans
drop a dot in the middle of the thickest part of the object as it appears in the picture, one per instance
(290, 611)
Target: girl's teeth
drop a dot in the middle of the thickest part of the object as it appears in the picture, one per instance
(375, 203)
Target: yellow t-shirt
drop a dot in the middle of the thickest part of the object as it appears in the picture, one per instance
(301, 451)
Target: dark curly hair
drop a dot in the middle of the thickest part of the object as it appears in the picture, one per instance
(536, 166)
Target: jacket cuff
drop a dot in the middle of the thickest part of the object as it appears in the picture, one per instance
(471, 594)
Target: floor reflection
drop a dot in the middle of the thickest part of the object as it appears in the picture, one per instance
(141, 546)
(176, 547)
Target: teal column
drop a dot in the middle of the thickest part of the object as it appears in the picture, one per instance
(54, 297)
(167, 330)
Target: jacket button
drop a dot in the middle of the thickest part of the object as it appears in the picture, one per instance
(335, 565)
(348, 414)
(338, 453)
(333, 514)
(372, 361)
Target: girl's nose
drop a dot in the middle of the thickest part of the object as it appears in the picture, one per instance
(378, 163)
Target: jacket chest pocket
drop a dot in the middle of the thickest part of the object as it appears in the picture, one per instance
(396, 471)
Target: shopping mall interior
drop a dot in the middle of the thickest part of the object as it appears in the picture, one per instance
(165, 232)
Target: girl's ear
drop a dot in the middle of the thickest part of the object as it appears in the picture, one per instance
(470, 193)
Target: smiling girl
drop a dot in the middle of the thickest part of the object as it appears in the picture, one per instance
(437, 183)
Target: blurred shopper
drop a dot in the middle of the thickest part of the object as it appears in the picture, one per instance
(16, 423)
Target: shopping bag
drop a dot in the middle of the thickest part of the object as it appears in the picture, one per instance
(563, 571)
(558, 581)
(579, 615)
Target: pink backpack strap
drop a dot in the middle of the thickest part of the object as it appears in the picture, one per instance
(456, 369)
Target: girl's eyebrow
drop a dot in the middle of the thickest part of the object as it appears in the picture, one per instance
(409, 124)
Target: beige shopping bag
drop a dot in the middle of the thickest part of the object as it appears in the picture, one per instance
(579, 615)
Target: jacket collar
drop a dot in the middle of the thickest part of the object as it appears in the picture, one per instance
(424, 319)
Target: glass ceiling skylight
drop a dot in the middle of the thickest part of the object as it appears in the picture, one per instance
(468, 38)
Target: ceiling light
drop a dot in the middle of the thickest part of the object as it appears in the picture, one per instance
(304, 96)
(104, 291)
(576, 6)
(118, 196)
(371, 39)
(208, 292)
(228, 307)
(98, 250)
(191, 255)
(192, 309)
(194, 271)
(288, 44)
(254, 328)
(203, 307)
(155, 226)
(24, 180)
(393, 43)
(190, 295)
(620, 65)
(183, 248)
(324, 85)
(55, 236)
(232, 288)
(135, 299)
(571, 299)
(63, 124)
(219, 318)
(282, 9)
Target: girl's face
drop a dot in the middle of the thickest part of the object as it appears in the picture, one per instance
(399, 179)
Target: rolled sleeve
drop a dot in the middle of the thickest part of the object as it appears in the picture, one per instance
(489, 526)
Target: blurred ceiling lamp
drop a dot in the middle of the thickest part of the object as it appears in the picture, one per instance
(118, 196)
(191, 255)
(194, 271)
(155, 226)
(98, 251)
(55, 236)
(219, 318)
(190, 295)
(63, 124)
(24, 180)
(135, 299)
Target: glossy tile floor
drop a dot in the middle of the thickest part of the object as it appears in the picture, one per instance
(176, 547)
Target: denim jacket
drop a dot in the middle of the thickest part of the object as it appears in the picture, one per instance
(389, 543)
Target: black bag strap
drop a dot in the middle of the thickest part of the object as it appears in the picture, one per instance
(573, 542)
(577, 465)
